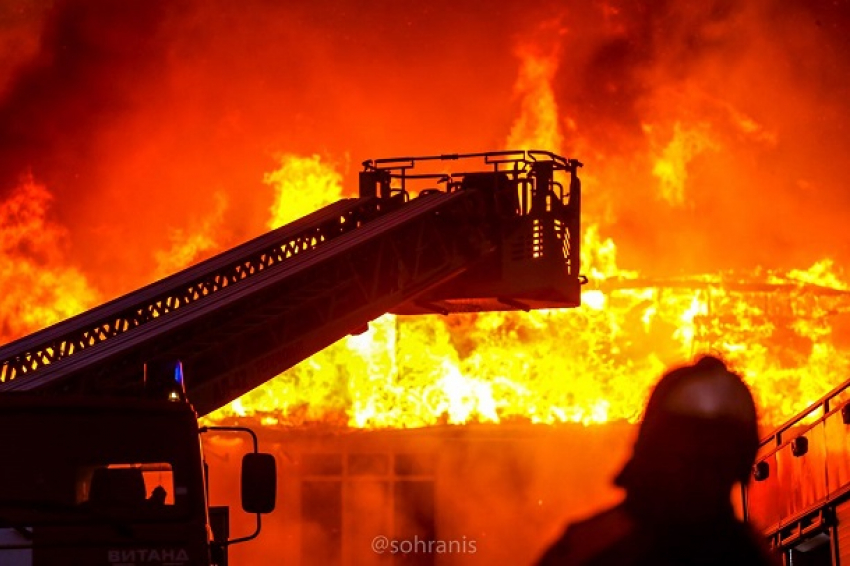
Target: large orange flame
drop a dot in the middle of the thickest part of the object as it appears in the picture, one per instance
(668, 108)
(590, 365)
(191, 245)
(39, 287)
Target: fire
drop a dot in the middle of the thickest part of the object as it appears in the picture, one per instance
(671, 168)
(822, 273)
(189, 246)
(539, 121)
(302, 185)
(37, 287)
(687, 105)
(588, 365)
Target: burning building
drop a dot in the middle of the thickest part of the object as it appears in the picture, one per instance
(713, 214)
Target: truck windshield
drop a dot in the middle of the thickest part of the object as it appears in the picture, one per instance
(129, 466)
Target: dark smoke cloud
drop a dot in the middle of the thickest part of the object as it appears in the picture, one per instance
(773, 196)
(93, 67)
(93, 57)
(20, 23)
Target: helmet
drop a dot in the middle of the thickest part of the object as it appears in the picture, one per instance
(700, 420)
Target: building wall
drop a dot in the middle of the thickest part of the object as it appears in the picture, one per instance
(441, 496)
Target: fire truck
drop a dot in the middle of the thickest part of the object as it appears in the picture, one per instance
(799, 493)
(103, 480)
(102, 463)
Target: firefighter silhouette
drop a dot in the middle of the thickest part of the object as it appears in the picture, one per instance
(698, 437)
(158, 495)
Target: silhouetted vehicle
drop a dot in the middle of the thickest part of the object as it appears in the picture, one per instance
(108, 481)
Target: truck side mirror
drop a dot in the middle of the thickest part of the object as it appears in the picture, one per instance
(259, 482)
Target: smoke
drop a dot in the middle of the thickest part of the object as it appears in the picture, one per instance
(735, 110)
(709, 143)
(20, 22)
(158, 127)
(134, 114)
(505, 492)
(93, 57)
(62, 110)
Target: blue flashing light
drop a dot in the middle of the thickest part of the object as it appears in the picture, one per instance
(178, 374)
(179, 392)
(164, 380)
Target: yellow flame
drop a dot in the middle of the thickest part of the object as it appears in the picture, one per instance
(671, 167)
(588, 365)
(538, 125)
(594, 299)
(822, 273)
(37, 286)
(687, 330)
(192, 244)
(302, 185)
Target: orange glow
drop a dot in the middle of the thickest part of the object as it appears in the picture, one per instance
(714, 187)
(190, 246)
(671, 167)
(537, 126)
(301, 185)
(589, 365)
(39, 287)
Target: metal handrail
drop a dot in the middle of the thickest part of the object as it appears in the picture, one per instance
(776, 434)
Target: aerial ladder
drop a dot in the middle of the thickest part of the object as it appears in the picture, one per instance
(502, 236)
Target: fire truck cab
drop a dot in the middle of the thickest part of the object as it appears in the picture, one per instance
(108, 481)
